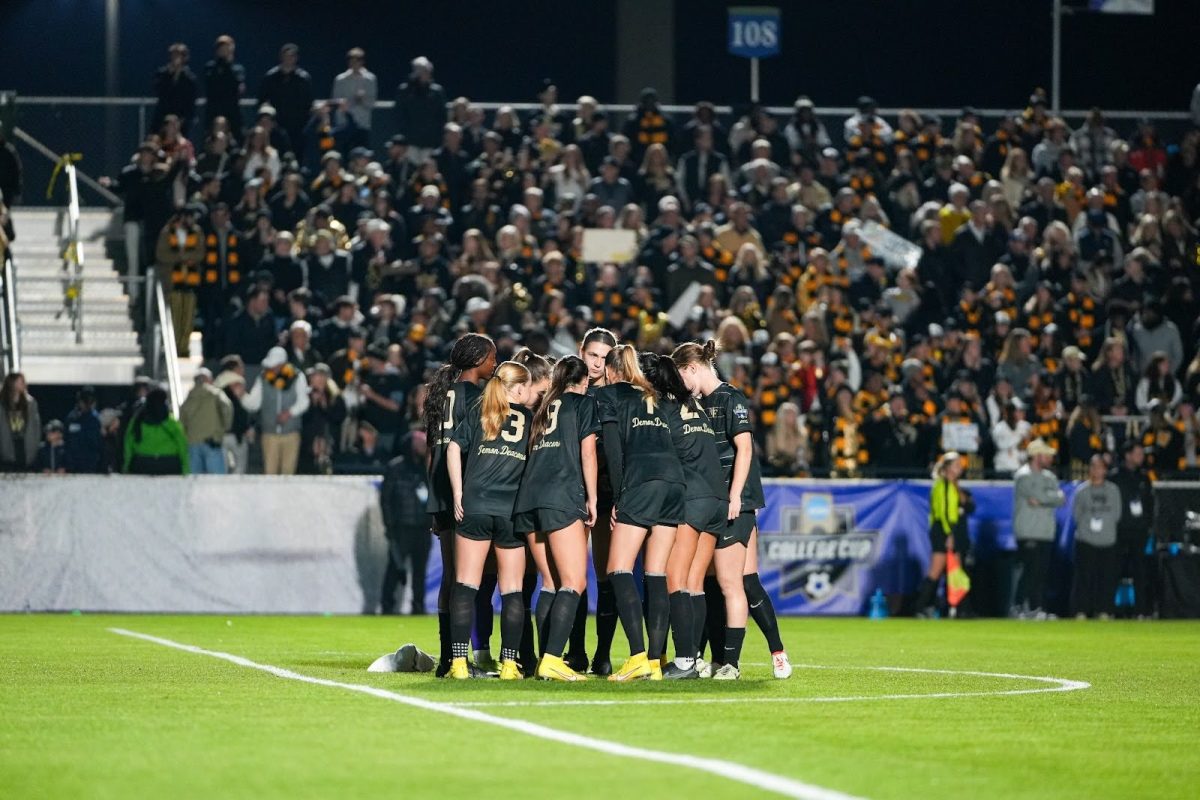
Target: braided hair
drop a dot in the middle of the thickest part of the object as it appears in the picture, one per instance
(468, 352)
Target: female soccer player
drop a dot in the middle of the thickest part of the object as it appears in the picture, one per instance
(648, 489)
(556, 502)
(706, 508)
(454, 388)
(491, 440)
(729, 412)
(596, 345)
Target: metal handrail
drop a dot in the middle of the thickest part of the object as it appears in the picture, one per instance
(54, 158)
(623, 108)
(165, 339)
(11, 328)
(72, 250)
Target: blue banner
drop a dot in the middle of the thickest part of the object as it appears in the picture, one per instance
(826, 546)
(754, 31)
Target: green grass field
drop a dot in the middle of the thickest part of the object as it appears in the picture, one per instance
(89, 713)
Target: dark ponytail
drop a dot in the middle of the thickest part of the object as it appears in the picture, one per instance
(538, 366)
(568, 371)
(665, 378)
(601, 335)
(468, 352)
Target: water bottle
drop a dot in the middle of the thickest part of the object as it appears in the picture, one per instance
(879, 609)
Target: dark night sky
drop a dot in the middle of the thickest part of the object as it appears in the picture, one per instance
(905, 52)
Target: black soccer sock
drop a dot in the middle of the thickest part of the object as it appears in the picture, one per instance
(528, 657)
(715, 600)
(658, 621)
(578, 641)
(733, 645)
(481, 629)
(699, 620)
(444, 636)
(462, 606)
(606, 619)
(763, 611)
(541, 613)
(925, 593)
(629, 609)
(561, 620)
(683, 629)
(512, 625)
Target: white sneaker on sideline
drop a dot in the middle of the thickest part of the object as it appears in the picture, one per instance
(703, 668)
(780, 665)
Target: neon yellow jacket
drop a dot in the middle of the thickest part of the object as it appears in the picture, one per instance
(943, 505)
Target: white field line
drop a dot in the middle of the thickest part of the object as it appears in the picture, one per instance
(1054, 685)
(739, 773)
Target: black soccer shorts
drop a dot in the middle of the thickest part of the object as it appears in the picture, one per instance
(486, 528)
(652, 503)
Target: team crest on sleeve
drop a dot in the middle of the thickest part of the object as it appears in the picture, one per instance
(819, 550)
(741, 412)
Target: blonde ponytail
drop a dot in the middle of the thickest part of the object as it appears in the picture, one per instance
(623, 360)
(494, 409)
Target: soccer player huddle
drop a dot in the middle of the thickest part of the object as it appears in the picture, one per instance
(642, 454)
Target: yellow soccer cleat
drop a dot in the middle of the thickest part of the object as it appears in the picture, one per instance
(459, 670)
(656, 670)
(553, 668)
(636, 668)
(509, 671)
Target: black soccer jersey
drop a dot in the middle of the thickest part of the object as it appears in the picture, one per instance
(696, 446)
(729, 412)
(648, 454)
(603, 485)
(554, 474)
(492, 474)
(461, 396)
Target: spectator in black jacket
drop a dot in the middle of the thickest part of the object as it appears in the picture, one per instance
(288, 88)
(51, 457)
(176, 87)
(976, 247)
(84, 451)
(421, 110)
(251, 331)
(402, 501)
(1133, 529)
(649, 125)
(236, 443)
(224, 85)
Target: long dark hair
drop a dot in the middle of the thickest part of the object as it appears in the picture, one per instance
(153, 412)
(468, 352)
(568, 371)
(665, 378)
(10, 398)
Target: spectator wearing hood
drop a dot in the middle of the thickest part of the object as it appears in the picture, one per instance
(51, 456)
(206, 416)
(402, 501)
(84, 451)
(1152, 333)
(155, 443)
(280, 398)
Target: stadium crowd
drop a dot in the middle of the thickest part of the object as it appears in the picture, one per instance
(1048, 280)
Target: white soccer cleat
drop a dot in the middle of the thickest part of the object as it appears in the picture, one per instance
(781, 666)
(703, 668)
(727, 672)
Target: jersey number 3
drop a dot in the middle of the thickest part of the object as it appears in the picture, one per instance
(514, 431)
(552, 418)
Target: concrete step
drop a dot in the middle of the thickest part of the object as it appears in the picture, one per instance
(51, 304)
(100, 325)
(97, 369)
(65, 337)
(42, 263)
(91, 289)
